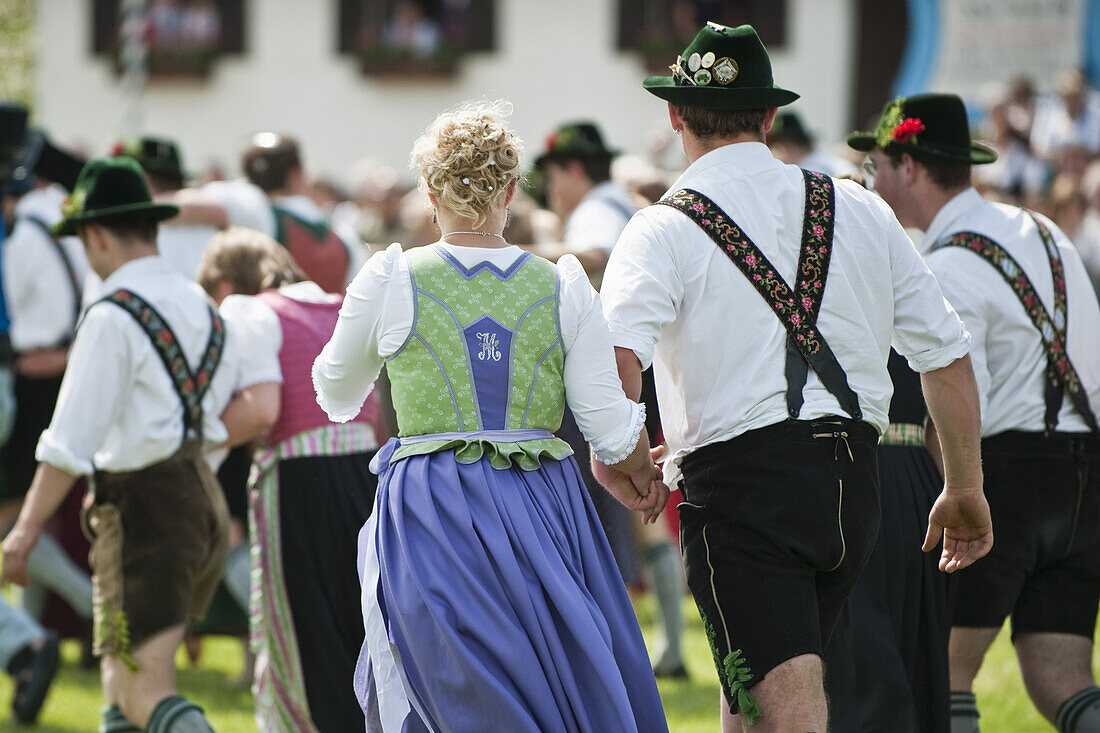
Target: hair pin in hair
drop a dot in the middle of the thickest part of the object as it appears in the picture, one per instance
(492, 162)
(431, 169)
(490, 188)
(466, 181)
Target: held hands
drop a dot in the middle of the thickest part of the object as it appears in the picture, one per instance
(962, 517)
(641, 490)
(17, 547)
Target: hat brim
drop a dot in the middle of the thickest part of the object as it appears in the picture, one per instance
(976, 154)
(718, 97)
(157, 212)
(574, 155)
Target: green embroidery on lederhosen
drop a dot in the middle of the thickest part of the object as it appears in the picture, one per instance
(733, 673)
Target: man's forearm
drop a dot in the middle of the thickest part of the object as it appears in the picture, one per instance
(48, 489)
(630, 372)
(951, 394)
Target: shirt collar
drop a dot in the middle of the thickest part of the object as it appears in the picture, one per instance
(740, 159)
(134, 272)
(948, 213)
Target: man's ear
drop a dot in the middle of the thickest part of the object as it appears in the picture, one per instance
(674, 118)
(909, 169)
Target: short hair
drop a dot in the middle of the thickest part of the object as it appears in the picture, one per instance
(250, 261)
(944, 172)
(269, 159)
(467, 159)
(131, 228)
(723, 123)
(598, 169)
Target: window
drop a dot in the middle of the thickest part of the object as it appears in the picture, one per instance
(185, 37)
(414, 37)
(660, 29)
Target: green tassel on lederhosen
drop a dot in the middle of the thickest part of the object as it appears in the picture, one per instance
(113, 636)
(733, 673)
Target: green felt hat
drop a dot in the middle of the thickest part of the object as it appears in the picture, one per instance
(575, 140)
(110, 188)
(931, 124)
(722, 68)
(157, 156)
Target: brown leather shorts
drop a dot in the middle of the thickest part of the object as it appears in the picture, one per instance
(159, 544)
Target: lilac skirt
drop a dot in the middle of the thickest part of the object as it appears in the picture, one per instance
(491, 601)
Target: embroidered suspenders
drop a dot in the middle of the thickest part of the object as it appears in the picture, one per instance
(796, 307)
(1061, 376)
(74, 280)
(190, 386)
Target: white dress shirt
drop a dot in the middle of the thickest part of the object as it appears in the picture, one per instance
(821, 161)
(377, 317)
(118, 409)
(599, 218)
(37, 286)
(182, 246)
(1008, 354)
(1054, 129)
(718, 351)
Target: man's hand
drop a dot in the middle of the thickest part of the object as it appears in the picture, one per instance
(641, 491)
(17, 547)
(962, 518)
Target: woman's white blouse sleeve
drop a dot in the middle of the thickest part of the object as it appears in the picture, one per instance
(606, 417)
(375, 321)
(256, 329)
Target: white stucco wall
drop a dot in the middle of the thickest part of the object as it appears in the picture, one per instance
(556, 60)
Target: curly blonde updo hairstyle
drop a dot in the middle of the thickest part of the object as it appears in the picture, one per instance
(467, 158)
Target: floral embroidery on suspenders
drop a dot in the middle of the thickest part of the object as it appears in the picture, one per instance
(1060, 373)
(797, 307)
(190, 386)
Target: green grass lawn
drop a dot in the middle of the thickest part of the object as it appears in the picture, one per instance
(691, 705)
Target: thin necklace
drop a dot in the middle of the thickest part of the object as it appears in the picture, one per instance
(480, 234)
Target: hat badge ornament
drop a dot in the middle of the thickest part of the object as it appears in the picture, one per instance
(894, 127)
(703, 69)
(74, 204)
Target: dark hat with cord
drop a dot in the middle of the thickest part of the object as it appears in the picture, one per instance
(57, 164)
(788, 127)
(157, 156)
(575, 140)
(110, 189)
(722, 68)
(13, 124)
(38, 158)
(929, 124)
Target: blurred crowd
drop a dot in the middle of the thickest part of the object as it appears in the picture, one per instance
(576, 198)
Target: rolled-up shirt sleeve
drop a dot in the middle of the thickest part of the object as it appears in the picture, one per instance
(641, 289)
(96, 381)
(609, 420)
(375, 318)
(927, 330)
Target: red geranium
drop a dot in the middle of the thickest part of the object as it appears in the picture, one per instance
(908, 128)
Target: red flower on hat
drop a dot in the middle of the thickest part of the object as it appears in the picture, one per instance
(119, 148)
(551, 141)
(907, 129)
